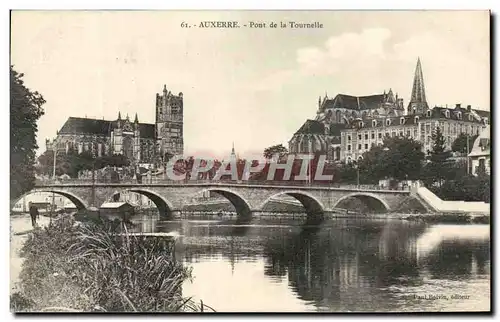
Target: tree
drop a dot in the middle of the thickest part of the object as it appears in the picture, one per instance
(370, 168)
(399, 158)
(467, 188)
(276, 149)
(71, 162)
(460, 143)
(347, 173)
(25, 110)
(438, 168)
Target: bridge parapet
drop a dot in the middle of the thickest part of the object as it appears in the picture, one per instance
(246, 196)
(277, 184)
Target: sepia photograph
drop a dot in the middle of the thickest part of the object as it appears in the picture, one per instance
(166, 161)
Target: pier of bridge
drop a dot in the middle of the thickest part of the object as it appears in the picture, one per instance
(170, 198)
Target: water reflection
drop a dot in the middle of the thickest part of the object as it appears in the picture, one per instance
(340, 265)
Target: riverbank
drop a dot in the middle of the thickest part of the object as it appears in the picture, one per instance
(20, 228)
(89, 268)
(458, 218)
(455, 218)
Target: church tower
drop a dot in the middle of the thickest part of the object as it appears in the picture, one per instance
(169, 123)
(418, 103)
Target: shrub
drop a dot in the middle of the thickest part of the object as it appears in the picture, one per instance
(99, 266)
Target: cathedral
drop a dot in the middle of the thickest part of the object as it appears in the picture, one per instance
(347, 126)
(139, 142)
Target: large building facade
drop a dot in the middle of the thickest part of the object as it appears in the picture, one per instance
(139, 142)
(364, 121)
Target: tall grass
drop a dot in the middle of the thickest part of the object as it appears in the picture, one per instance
(101, 267)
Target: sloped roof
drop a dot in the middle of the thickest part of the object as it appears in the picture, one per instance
(394, 120)
(311, 127)
(336, 128)
(354, 102)
(79, 125)
(115, 205)
(482, 144)
(370, 102)
(87, 126)
(440, 112)
(483, 113)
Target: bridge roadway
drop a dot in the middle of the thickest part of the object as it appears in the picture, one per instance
(247, 197)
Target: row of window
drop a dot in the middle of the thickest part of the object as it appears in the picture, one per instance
(402, 120)
(360, 146)
(450, 130)
(393, 134)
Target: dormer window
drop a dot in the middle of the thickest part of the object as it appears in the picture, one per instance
(416, 119)
(374, 123)
(428, 113)
(388, 122)
(470, 117)
(402, 120)
(459, 115)
(447, 114)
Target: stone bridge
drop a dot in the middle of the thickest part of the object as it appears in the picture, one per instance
(247, 198)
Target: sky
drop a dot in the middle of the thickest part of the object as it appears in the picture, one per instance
(254, 87)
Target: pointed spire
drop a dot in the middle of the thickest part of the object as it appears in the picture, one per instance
(119, 115)
(232, 150)
(418, 99)
(418, 91)
(136, 118)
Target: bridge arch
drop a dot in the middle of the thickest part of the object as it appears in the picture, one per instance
(241, 205)
(164, 206)
(80, 204)
(371, 200)
(310, 202)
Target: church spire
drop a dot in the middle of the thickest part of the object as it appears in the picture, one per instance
(136, 118)
(418, 102)
(233, 154)
(119, 115)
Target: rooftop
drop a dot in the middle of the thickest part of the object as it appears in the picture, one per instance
(79, 125)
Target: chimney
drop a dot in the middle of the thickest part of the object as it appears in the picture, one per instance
(469, 108)
(458, 105)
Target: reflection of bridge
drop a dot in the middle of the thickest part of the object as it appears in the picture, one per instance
(171, 197)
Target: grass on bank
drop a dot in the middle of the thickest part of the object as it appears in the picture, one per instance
(451, 219)
(90, 267)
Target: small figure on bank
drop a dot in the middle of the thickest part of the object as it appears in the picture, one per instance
(34, 215)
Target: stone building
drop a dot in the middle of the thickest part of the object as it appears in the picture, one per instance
(335, 115)
(480, 154)
(315, 136)
(169, 123)
(348, 126)
(357, 140)
(139, 142)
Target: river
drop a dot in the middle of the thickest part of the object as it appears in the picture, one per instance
(277, 264)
